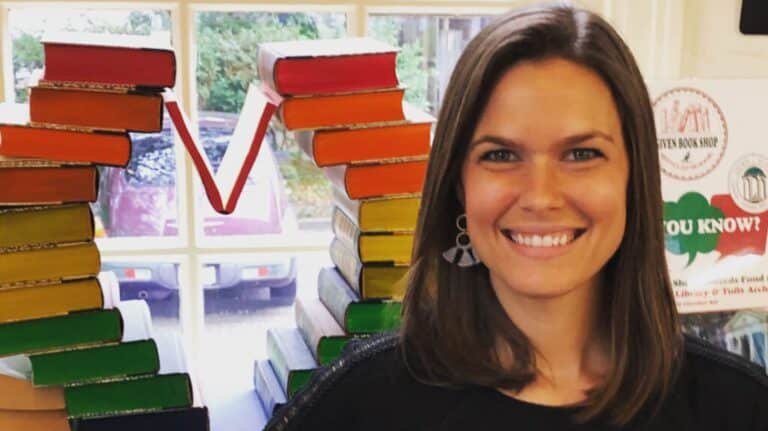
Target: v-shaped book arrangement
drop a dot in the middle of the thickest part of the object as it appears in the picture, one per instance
(343, 101)
(72, 357)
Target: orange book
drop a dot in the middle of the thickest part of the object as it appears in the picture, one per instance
(45, 420)
(394, 177)
(25, 182)
(335, 110)
(17, 393)
(97, 107)
(69, 145)
(365, 143)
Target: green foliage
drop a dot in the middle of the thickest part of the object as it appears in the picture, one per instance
(27, 58)
(228, 49)
(413, 70)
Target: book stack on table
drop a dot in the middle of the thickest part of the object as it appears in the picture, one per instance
(72, 356)
(342, 100)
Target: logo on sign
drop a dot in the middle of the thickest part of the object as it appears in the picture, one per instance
(692, 133)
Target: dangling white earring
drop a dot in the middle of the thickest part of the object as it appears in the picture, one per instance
(461, 254)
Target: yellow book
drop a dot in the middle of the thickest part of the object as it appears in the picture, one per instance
(49, 264)
(33, 302)
(19, 394)
(381, 214)
(22, 227)
(392, 247)
(371, 280)
(42, 420)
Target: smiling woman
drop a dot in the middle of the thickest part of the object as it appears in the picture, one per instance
(538, 296)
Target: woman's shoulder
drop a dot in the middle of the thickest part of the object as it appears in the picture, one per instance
(368, 386)
(716, 389)
(717, 368)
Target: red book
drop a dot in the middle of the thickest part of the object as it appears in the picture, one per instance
(34, 182)
(379, 179)
(69, 145)
(224, 188)
(309, 67)
(135, 61)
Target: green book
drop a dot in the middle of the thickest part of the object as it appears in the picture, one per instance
(320, 331)
(111, 362)
(292, 359)
(170, 389)
(354, 315)
(164, 391)
(74, 330)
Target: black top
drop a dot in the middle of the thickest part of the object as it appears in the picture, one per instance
(370, 389)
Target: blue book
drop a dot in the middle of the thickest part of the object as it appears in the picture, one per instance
(291, 358)
(268, 387)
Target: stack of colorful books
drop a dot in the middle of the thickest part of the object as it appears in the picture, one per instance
(344, 103)
(72, 356)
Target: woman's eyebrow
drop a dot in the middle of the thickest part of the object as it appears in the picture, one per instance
(568, 141)
(495, 139)
(578, 138)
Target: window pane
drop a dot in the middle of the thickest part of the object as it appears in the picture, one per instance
(139, 200)
(285, 191)
(245, 295)
(154, 281)
(430, 46)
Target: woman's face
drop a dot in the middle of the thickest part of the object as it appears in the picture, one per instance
(545, 180)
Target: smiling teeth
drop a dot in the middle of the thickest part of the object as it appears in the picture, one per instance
(554, 240)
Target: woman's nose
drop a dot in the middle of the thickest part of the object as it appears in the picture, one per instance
(542, 188)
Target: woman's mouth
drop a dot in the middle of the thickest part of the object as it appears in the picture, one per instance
(548, 239)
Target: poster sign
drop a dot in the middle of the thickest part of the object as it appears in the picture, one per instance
(713, 153)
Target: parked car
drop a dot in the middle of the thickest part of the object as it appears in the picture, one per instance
(232, 285)
(141, 201)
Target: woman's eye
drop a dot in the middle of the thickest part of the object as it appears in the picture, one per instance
(583, 154)
(499, 156)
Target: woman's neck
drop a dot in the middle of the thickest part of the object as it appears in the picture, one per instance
(568, 339)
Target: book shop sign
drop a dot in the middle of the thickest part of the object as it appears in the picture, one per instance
(713, 151)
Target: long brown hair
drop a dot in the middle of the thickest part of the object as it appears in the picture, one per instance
(454, 330)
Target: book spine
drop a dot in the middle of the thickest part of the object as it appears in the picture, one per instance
(305, 139)
(267, 65)
(345, 231)
(289, 354)
(310, 330)
(348, 264)
(335, 294)
(351, 207)
(265, 381)
(337, 176)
